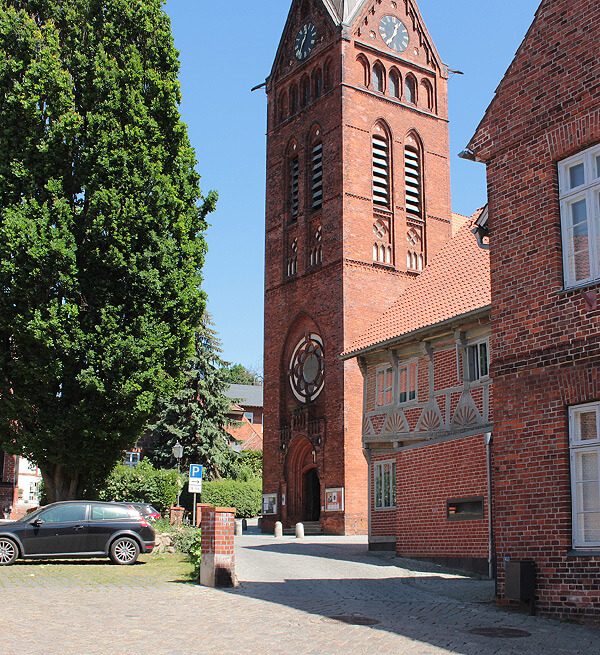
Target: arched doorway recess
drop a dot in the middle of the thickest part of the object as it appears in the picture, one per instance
(303, 482)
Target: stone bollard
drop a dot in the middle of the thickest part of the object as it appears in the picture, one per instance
(299, 530)
(238, 529)
(244, 525)
(278, 529)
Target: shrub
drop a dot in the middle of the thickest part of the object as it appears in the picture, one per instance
(246, 497)
(142, 483)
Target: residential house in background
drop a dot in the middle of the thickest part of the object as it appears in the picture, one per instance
(426, 417)
(540, 140)
(247, 412)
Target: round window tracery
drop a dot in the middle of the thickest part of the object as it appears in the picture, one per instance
(306, 368)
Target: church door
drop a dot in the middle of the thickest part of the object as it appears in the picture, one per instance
(312, 496)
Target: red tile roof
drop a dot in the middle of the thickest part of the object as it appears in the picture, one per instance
(456, 282)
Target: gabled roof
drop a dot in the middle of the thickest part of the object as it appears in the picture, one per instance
(455, 283)
(247, 395)
(344, 11)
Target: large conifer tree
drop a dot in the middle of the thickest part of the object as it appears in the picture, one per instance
(196, 416)
(101, 222)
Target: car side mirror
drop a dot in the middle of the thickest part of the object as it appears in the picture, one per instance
(37, 522)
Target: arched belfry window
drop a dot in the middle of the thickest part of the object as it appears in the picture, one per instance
(381, 167)
(316, 163)
(412, 176)
(394, 83)
(427, 94)
(327, 76)
(378, 77)
(410, 89)
(293, 99)
(294, 188)
(282, 106)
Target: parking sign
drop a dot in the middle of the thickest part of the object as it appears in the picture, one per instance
(195, 483)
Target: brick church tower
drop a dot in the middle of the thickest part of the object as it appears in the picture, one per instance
(358, 201)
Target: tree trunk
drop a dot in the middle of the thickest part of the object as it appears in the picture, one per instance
(59, 484)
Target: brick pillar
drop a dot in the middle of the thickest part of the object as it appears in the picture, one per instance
(199, 509)
(217, 568)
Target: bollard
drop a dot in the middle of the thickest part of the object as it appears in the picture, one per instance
(299, 530)
(238, 529)
(278, 529)
(244, 525)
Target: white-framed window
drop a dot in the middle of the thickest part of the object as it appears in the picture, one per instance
(132, 459)
(478, 361)
(584, 437)
(385, 484)
(579, 184)
(385, 379)
(249, 416)
(407, 381)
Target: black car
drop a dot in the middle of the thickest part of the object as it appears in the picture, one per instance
(78, 529)
(145, 509)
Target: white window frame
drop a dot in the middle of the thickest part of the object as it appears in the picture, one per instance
(379, 473)
(132, 458)
(415, 392)
(590, 192)
(249, 416)
(476, 346)
(386, 391)
(580, 447)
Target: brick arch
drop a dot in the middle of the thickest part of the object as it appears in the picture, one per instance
(365, 69)
(299, 461)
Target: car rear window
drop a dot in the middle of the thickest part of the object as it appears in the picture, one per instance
(110, 512)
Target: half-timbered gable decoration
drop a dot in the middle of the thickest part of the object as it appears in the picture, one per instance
(427, 391)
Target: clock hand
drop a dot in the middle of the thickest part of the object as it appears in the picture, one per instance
(394, 34)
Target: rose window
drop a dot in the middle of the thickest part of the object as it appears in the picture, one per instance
(306, 368)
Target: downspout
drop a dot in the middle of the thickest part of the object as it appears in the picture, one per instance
(488, 452)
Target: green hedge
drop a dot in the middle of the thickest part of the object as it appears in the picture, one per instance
(246, 497)
(142, 483)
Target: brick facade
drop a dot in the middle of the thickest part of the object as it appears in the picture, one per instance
(321, 275)
(545, 338)
(8, 486)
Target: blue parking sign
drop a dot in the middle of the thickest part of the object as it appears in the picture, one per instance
(196, 471)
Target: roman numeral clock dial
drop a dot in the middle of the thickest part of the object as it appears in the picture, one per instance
(305, 41)
(393, 33)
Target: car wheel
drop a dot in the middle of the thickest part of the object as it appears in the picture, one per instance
(8, 551)
(124, 550)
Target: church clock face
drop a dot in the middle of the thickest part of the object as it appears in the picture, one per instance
(393, 33)
(306, 368)
(305, 41)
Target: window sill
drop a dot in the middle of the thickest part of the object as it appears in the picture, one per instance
(384, 509)
(579, 552)
(586, 286)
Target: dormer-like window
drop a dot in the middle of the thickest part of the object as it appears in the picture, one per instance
(378, 78)
(410, 89)
(394, 84)
(317, 83)
(305, 91)
(381, 169)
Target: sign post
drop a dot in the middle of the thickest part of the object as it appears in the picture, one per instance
(195, 484)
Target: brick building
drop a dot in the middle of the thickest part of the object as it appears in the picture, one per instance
(8, 484)
(540, 140)
(427, 395)
(358, 201)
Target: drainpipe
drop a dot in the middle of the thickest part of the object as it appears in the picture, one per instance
(488, 452)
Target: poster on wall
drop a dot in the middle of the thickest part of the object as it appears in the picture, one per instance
(334, 499)
(269, 504)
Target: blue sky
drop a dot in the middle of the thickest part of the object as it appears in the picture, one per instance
(226, 49)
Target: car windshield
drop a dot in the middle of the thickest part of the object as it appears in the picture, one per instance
(28, 517)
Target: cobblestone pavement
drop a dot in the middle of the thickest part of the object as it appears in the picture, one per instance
(289, 590)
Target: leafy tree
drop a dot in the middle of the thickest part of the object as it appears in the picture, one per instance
(239, 374)
(196, 416)
(101, 222)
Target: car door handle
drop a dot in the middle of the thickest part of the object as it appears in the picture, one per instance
(79, 528)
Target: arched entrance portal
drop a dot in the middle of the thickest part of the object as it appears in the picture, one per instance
(303, 483)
